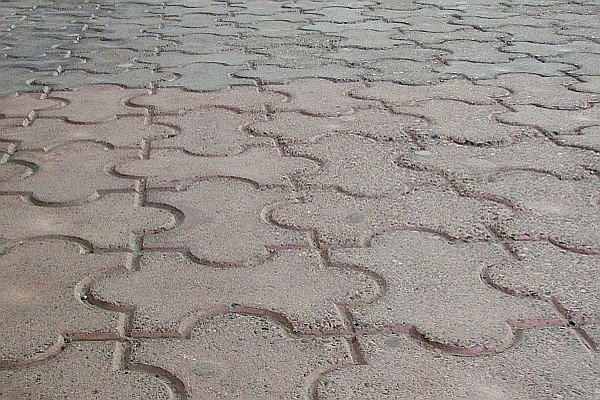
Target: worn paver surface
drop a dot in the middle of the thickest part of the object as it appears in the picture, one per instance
(300, 199)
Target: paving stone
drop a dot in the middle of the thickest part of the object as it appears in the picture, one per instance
(435, 284)
(545, 271)
(130, 78)
(105, 222)
(338, 15)
(589, 84)
(586, 63)
(211, 131)
(173, 59)
(473, 70)
(243, 356)
(368, 40)
(12, 171)
(224, 221)
(201, 43)
(42, 282)
(109, 103)
(338, 219)
(494, 23)
(61, 377)
(467, 165)
(552, 121)
(588, 139)
(541, 35)
(292, 283)
(552, 50)
(397, 367)
(563, 211)
(22, 105)
(14, 80)
(396, 95)
(404, 71)
(374, 123)
(241, 99)
(328, 27)
(108, 61)
(274, 74)
(549, 92)
(345, 160)
(319, 97)
(48, 133)
(435, 38)
(262, 165)
(206, 77)
(403, 51)
(57, 169)
(448, 120)
(478, 52)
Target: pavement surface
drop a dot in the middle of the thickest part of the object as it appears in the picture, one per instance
(299, 199)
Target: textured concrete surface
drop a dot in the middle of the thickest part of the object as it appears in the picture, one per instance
(280, 199)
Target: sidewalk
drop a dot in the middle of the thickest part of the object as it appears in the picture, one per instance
(299, 200)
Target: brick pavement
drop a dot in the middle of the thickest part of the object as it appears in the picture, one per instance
(299, 199)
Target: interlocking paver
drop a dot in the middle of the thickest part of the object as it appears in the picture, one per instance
(475, 124)
(292, 283)
(109, 103)
(56, 170)
(536, 275)
(243, 356)
(454, 89)
(262, 165)
(43, 282)
(553, 121)
(211, 131)
(435, 285)
(561, 210)
(466, 165)
(341, 220)
(373, 122)
(124, 132)
(529, 65)
(106, 222)
(22, 105)
(319, 97)
(545, 363)
(241, 99)
(224, 221)
(345, 160)
(589, 138)
(61, 377)
(549, 92)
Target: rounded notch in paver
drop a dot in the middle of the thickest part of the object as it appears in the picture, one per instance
(85, 370)
(319, 97)
(562, 211)
(295, 284)
(22, 105)
(547, 272)
(109, 102)
(397, 95)
(358, 166)
(244, 356)
(374, 123)
(57, 169)
(240, 99)
(42, 304)
(546, 362)
(45, 134)
(467, 165)
(262, 165)
(106, 222)
(337, 219)
(211, 132)
(434, 284)
(224, 221)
